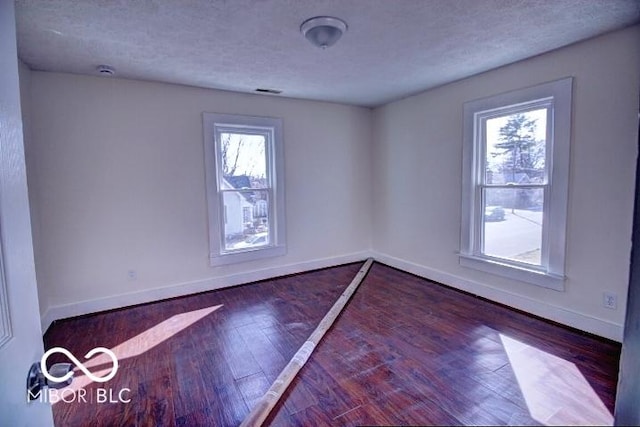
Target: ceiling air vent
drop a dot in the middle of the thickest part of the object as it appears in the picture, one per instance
(105, 70)
(272, 91)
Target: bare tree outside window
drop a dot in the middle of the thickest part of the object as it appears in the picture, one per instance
(244, 170)
(245, 187)
(244, 155)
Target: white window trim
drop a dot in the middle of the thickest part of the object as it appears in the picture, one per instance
(552, 273)
(212, 122)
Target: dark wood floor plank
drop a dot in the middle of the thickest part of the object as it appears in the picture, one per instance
(155, 402)
(368, 414)
(270, 360)
(444, 357)
(253, 387)
(405, 351)
(236, 353)
(311, 416)
(188, 381)
(223, 397)
(298, 397)
(333, 399)
(283, 340)
(184, 367)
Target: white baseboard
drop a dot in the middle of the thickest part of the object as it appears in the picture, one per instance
(59, 312)
(574, 319)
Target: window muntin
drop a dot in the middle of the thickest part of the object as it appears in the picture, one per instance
(515, 183)
(513, 179)
(245, 187)
(244, 176)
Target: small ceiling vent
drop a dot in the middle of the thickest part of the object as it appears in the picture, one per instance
(273, 91)
(105, 70)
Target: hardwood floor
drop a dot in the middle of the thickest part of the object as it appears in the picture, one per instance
(405, 351)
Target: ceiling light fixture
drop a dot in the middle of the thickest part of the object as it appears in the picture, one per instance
(323, 31)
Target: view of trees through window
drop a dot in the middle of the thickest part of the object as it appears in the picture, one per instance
(245, 190)
(515, 175)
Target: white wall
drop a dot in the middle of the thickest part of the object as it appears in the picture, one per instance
(32, 182)
(116, 174)
(119, 184)
(417, 180)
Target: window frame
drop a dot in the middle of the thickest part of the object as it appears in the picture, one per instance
(214, 125)
(556, 96)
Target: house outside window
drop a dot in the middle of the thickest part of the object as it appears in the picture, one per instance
(515, 183)
(245, 187)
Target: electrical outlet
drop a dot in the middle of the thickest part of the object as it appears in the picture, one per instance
(610, 300)
(132, 274)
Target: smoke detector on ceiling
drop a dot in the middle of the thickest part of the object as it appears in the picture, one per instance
(323, 31)
(105, 70)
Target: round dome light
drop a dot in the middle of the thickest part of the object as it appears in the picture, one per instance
(323, 31)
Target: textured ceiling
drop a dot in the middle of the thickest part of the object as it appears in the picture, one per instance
(392, 49)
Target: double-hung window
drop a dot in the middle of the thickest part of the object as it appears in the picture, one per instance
(245, 187)
(515, 183)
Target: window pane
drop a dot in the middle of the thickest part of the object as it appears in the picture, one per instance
(244, 162)
(512, 224)
(515, 147)
(246, 220)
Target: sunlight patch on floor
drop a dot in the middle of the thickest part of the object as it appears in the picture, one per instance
(136, 346)
(554, 389)
(153, 336)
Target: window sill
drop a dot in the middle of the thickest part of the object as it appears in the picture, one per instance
(217, 260)
(520, 273)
